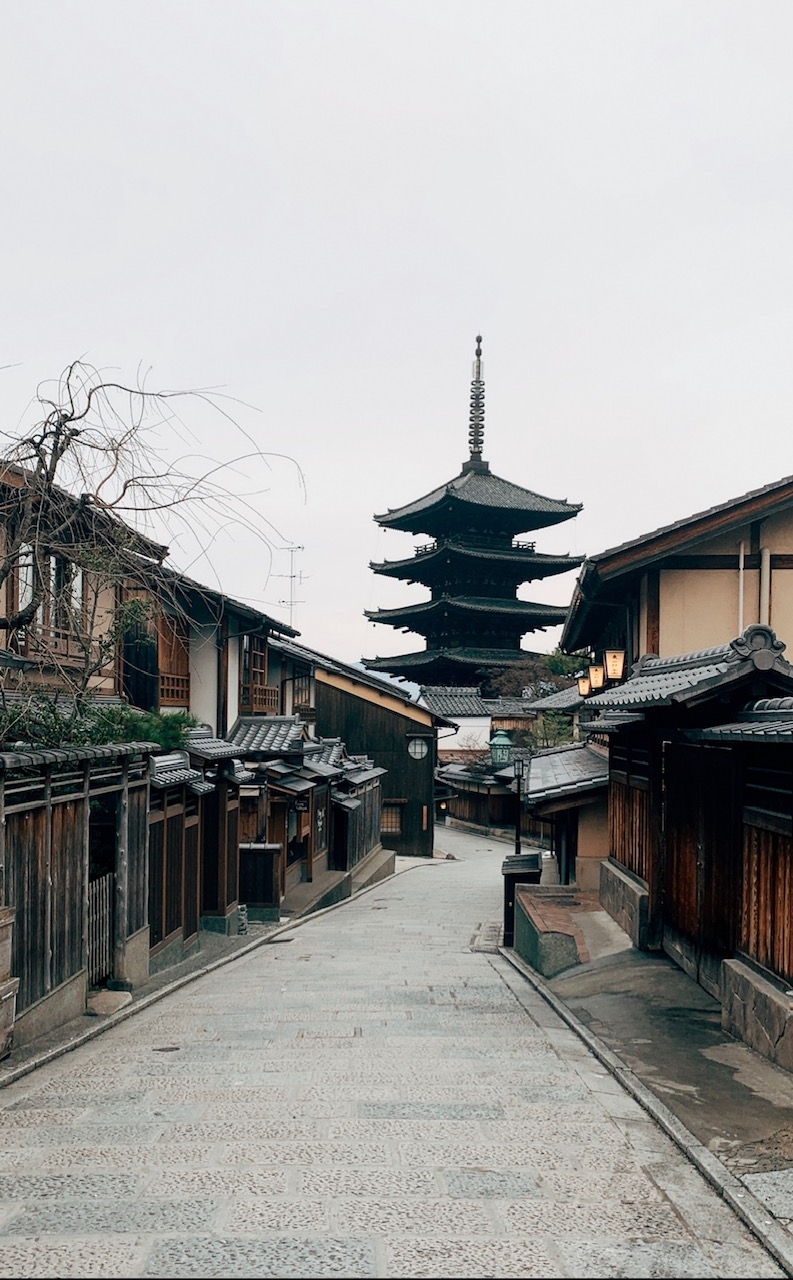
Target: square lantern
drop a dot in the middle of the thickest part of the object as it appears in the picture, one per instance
(597, 676)
(614, 662)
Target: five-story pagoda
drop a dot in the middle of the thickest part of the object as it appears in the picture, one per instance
(473, 622)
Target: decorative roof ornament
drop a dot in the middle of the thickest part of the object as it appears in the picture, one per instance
(476, 417)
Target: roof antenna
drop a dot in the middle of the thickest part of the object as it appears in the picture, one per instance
(476, 417)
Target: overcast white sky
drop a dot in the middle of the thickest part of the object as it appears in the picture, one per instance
(315, 205)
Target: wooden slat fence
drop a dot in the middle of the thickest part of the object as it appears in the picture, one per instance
(100, 928)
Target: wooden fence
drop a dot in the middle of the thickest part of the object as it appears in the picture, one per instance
(100, 928)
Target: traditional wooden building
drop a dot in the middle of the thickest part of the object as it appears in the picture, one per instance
(473, 621)
(198, 650)
(701, 823)
(567, 790)
(692, 584)
(374, 718)
(74, 840)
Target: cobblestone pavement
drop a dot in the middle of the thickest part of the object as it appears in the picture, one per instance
(375, 1091)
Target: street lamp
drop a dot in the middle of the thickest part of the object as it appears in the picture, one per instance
(501, 749)
(519, 766)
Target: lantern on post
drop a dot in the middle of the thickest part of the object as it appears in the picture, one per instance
(501, 749)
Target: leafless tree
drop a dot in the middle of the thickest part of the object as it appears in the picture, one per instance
(90, 496)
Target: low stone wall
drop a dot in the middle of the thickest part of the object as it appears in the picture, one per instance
(757, 1012)
(66, 1002)
(627, 902)
(545, 936)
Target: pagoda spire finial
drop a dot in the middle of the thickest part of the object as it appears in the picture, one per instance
(476, 417)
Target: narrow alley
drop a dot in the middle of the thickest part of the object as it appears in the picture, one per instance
(372, 1092)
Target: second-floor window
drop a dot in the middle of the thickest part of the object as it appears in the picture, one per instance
(255, 695)
(174, 653)
(59, 625)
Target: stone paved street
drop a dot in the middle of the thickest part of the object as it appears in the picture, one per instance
(366, 1094)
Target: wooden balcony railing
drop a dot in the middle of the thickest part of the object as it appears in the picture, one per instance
(58, 644)
(260, 699)
(174, 690)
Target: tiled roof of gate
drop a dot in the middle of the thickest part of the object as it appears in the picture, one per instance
(768, 720)
(563, 700)
(566, 770)
(268, 734)
(658, 680)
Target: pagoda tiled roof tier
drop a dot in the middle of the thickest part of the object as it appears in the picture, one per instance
(521, 563)
(444, 665)
(478, 496)
(535, 615)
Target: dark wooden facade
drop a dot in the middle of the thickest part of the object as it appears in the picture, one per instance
(356, 822)
(73, 819)
(701, 812)
(369, 724)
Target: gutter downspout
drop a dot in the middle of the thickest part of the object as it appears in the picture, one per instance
(741, 563)
(765, 586)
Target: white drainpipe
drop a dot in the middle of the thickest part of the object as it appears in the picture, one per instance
(765, 586)
(741, 558)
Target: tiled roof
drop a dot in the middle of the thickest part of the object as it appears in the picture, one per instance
(768, 720)
(447, 700)
(466, 657)
(483, 489)
(511, 707)
(766, 492)
(273, 735)
(171, 769)
(661, 681)
(600, 572)
(536, 564)
(563, 700)
(566, 770)
(203, 744)
(523, 609)
(29, 756)
(328, 751)
(312, 658)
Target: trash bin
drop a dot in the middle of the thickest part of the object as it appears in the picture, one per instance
(520, 868)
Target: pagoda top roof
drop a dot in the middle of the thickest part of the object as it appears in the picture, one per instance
(477, 487)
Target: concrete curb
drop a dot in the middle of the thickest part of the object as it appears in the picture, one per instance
(748, 1208)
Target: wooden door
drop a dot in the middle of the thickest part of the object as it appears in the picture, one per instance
(702, 899)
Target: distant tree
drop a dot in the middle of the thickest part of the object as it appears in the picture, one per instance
(536, 676)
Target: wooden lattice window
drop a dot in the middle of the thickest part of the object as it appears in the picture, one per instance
(174, 653)
(391, 817)
(255, 695)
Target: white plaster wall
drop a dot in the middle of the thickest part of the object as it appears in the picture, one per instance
(699, 610)
(473, 733)
(233, 691)
(204, 674)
